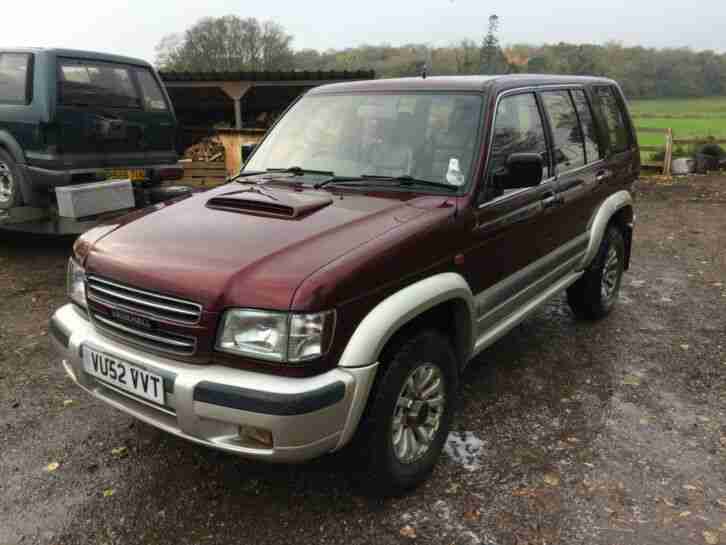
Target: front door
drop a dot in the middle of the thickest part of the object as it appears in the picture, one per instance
(511, 228)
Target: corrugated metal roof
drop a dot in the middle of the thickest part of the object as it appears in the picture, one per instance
(295, 75)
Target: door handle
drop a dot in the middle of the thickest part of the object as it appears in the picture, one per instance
(602, 175)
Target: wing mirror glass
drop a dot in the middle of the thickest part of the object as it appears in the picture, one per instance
(521, 170)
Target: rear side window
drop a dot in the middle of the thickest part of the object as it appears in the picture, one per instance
(14, 72)
(153, 96)
(593, 152)
(568, 145)
(88, 83)
(518, 128)
(617, 136)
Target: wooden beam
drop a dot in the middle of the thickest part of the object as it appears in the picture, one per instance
(686, 141)
(668, 153)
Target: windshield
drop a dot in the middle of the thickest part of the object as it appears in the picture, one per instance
(430, 137)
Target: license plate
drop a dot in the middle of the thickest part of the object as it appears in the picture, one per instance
(124, 375)
(137, 175)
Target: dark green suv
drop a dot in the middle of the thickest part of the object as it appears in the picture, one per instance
(70, 117)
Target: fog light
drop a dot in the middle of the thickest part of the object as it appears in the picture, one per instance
(255, 437)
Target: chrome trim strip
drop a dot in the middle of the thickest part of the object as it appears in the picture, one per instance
(94, 278)
(510, 305)
(493, 297)
(575, 170)
(141, 302)
(505, 197)
(491, 335)
(161, 340)
(136, 310)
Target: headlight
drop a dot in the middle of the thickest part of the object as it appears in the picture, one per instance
(76, 284)
(276, 336)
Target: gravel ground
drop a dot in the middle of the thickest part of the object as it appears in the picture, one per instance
(567, 432)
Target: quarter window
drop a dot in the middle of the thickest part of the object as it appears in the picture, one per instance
(617, 137)
(518, 128)
(14, 77)
(568, 145)
(593, 149)
(153, 97)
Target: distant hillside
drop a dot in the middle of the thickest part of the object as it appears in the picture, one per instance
(642, 72)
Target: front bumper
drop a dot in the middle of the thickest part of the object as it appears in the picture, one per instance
(207, 404)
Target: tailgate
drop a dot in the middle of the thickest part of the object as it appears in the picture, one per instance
(112, 115)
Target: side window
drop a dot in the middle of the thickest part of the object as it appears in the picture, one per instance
(617, 136)
(14, 78)
(153, 97)
(518, 128)
(593, 150)
(568, 145)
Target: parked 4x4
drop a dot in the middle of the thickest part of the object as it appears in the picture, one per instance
(382, 235)
(68, 117)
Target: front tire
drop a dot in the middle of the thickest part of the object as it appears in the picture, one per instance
(594, 295)
(9, 182)
(407, 421)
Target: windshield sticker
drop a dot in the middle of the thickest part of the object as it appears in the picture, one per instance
(454, 175)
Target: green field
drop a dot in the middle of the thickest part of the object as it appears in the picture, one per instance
(689, 118)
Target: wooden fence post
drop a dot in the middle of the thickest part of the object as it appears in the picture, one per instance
(668, 152)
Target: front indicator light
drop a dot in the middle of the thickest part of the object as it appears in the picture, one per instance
(255, 437)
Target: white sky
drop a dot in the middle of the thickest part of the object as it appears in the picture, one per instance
(134, 27)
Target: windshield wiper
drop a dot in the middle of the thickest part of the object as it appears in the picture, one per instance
(402, 180)
(299, 171)
(296, 171)
(245, 175)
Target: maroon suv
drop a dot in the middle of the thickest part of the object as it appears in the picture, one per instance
(382, 235)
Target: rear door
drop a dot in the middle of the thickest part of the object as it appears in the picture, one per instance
(578, 163)
(109, 115)
(160, 123)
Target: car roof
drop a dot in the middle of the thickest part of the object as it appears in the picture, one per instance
(76, 54)
(457, 83)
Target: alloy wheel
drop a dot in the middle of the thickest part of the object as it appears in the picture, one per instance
(6, 183)
(610, 274)
(418, 413)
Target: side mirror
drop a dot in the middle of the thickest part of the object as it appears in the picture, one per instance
(521, 170)
(247, 150)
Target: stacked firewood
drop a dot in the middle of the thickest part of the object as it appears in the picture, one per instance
(207, 149)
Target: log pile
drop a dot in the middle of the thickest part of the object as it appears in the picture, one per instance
(207, 149)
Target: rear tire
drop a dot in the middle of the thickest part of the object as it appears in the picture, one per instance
(594, 295)
(10, 177)
(409, 414)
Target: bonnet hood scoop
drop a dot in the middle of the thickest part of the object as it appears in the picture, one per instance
(271, 202)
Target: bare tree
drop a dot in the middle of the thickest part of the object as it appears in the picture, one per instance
(227, 43)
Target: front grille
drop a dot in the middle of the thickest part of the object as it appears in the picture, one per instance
(142, 302)
(163, 341)
(141, 317)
